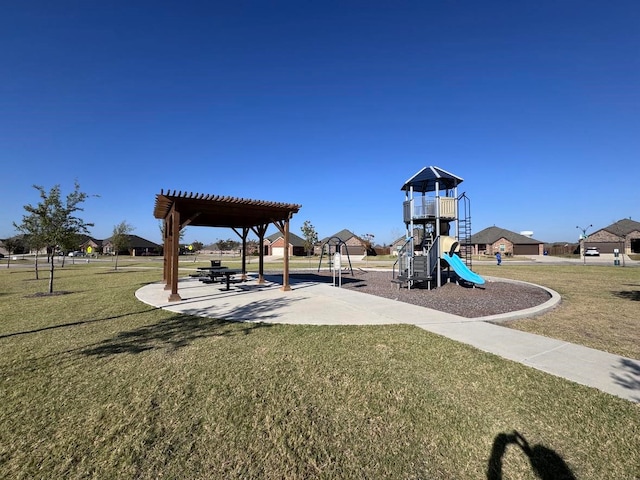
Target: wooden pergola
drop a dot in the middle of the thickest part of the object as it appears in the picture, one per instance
(180, 209)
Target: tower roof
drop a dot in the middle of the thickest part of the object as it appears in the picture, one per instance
(425, 180)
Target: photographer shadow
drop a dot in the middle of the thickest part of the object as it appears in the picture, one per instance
(545, 463)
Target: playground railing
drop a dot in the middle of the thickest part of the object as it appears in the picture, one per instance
(425, 208)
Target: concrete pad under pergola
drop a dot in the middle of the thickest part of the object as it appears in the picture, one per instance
(180, 209)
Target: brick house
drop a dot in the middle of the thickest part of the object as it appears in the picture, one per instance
(90, 245)
(495, 239)
(354, 244)
(397, 244)
(623, 235)
(274, 245)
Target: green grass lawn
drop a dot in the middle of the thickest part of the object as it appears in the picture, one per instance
(599, 309)
(95, 384)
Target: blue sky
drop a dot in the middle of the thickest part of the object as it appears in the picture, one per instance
(331, 105)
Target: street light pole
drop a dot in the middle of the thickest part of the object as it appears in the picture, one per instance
(584, 238)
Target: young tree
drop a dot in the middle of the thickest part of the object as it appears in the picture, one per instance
(197, 246)
(310, 236)
(70, 244)
(227, 245)
(120, 239)
(12, 245)
(161, 227)
(32, 229)
(253, 247)
(367, 240)
(53, 221)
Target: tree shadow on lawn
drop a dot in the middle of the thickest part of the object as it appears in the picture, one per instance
(182, 330)
(630, 376)
(75, 324)
(633, 295)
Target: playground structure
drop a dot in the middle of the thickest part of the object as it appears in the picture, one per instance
(438, 226)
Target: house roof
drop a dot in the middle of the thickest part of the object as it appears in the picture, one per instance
(136, 242)
(493, 234)
(294, 239)
(82, 239)
(343, 235)
(623, 227)
(425, 180)
(205, 210)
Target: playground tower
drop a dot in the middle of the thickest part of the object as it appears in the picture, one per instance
(438, 230)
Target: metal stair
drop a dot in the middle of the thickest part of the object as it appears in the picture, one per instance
(464, 226)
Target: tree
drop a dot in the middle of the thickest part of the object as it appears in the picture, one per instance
(32, 229)
(161, 226)
(367, 240)
(226, 245)
(197, 246)
(53, 221)
(253, 247)
(120, 239)
(12, 245)
(70, 244)
(310, 236)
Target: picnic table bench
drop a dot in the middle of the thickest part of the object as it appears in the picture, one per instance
(213, 274)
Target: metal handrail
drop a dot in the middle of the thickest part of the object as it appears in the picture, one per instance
(434, 254)
(401, 255)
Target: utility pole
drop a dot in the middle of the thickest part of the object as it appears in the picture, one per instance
(582, 244)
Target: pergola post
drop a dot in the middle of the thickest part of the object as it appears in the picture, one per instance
(243, 236)
(284, 229)
(165, 260)
(174, 245)
(260, 231)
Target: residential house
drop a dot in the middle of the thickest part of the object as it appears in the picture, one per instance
(495, 239)
(137, 246)
(354, 244)
(623, 235)
(400, 242)
(90, 245)
(274, 245)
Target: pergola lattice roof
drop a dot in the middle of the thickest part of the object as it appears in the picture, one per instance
(206, 210)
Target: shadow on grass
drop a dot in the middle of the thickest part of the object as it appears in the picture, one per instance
(173, 333)
(182, 330)
(545, 463)
(630, 376)
(75, 324)
(633, 295)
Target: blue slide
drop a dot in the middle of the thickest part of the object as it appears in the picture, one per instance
(461, 269)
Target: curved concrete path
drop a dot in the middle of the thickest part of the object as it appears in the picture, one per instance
(313, 303)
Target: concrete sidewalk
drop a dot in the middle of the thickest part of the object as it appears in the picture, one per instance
(322, 304)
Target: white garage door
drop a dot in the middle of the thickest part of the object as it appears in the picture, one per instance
(277, 251)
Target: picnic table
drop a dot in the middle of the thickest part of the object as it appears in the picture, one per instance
(212, 274)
